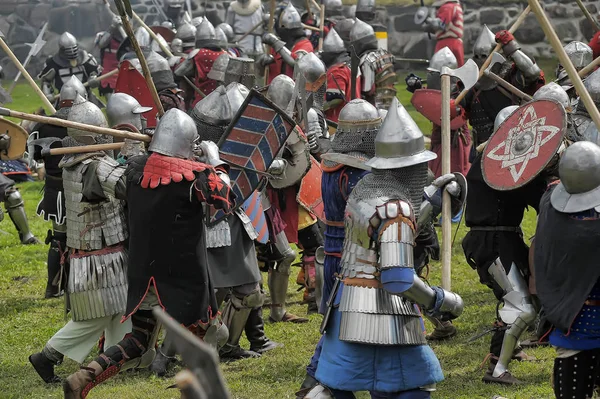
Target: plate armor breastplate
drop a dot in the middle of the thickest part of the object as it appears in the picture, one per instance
(369, 313)
(94, 225)
(66, 73)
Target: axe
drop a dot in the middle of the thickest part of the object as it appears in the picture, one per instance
(512, 29)
(565, 61)
(125, 11)
(499, 59)
(24, 72)
(468, 74)
(36, 47)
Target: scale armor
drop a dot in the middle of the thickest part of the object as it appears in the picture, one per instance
(240, 70)
(212, 115)
(378, 67)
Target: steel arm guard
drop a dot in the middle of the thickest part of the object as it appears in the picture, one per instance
(528, 68)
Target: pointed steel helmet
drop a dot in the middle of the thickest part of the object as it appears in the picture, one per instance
(281, 90)
(68, 47)
(312, 67)
(236, 94)
(143, 37)
(399, 142)
(361, 30)
(187, 34)
(485, 43)
(344, 27)
(71, 89)
(333, 43)
(175, 135)
(290, 18)
(579, 171)
(228, 30)
(123, 109)
(365, 9)
(220, 37)
(503, 114)
(161, 72)
(580, 54)
(84, 111)
(358, 124)
(197, 21)
(553, 91)
(241, 70)
(212, 115)
(333, 7)
(217, 72)
(205, 34)
(443, 58)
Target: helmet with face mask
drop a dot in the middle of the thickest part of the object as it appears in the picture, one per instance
(485, 43)
(68, 47)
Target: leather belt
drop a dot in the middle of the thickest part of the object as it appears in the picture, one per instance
(333, 223)
(362, 282)
(511, 229)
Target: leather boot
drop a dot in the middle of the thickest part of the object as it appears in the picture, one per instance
(79, 384)
(443, 330)
(16, 211)
(165, 356)
(255, 332)
(505, 378)
(44, 367)
(58, 244)
(278, 285)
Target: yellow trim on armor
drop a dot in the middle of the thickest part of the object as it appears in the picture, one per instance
(381, 35)
(305, 218)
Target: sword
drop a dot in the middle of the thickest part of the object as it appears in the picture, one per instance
(330, 302)
(36, 47)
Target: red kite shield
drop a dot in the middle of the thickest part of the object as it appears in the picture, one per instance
(132, 82)
(523, 145)
(428, 102)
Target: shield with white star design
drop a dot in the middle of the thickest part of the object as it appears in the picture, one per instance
(523, 145)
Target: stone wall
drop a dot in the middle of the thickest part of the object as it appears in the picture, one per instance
(20, 21)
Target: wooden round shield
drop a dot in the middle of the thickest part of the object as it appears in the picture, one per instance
(523, 144)
(18, 140)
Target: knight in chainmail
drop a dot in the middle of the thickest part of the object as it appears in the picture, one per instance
(581, 55)
(376, 66)
(96, 232)
(373, 327)
(125, 113)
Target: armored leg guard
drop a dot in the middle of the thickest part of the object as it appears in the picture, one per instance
(16, 211)
(255, 332)
(236, 313)
(56, 254)
(518, 313)
(310, 239)
(43, 362)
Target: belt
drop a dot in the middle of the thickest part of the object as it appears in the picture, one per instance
(333, 223)
(362, 282)
(592, 302)
(512, 229)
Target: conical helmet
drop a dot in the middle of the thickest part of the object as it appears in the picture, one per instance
(485, 43)
(175, 135)
(333, 8)
(70, 90)
(217, 72)
(143, 37)
(212, 115)
(205, 34)
(580, 54)
(365, 10)
(333, 43)
(123, 109)
(228, 30)
(236, 93)
(399, 142)
(281, 91)
(68, 47)
(358, 124)
(84, 111)
(196, 21)
(290, 18)
(343, 28)
(503, 114)
(221, 38)
(361, 30)
(187, 34)
(579, 171)
(241, 70)
(553, 91)
(443, 58)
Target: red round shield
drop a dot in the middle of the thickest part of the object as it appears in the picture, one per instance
(523, 144)
(428, 102)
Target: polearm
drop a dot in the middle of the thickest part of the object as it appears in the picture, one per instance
(36, 47)
(588, 15)
(75, 125)
(322, 25)
(126, 12)
(271, 28)
(24, 72)
(85, 148)
(153, 35)
(498, 47)
(565, 61)
(251, 31)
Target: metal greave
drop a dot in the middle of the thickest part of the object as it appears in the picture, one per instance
(16, 211)
(235, 316)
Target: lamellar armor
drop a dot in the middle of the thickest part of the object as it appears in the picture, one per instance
(381, 289)
(96, 225)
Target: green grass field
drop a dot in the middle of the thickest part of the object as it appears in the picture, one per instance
(27, 322)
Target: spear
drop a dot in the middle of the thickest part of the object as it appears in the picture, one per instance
(126, 12)
(36, 47)
(588, 15)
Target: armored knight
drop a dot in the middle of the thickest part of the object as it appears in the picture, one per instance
(125, 113)
(581, 116)
(377, 285)
(164, 81)
(108, 42)
(243, 16)
(240, 70)
(52, 205)
(567, 282)
(447, 25)
(291, 44)
(168, 253)
(366, 10)
(70, 60)
(98, 261)
(376, 66)
(199, 62)
(339, 77)
(581, 55)
(187, 34)
(334, 11)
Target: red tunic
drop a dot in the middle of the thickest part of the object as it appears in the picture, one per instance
(204, 62)
(279, 66)
(595, 44)
(451, 15)
(109, 63)
(339, 81)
